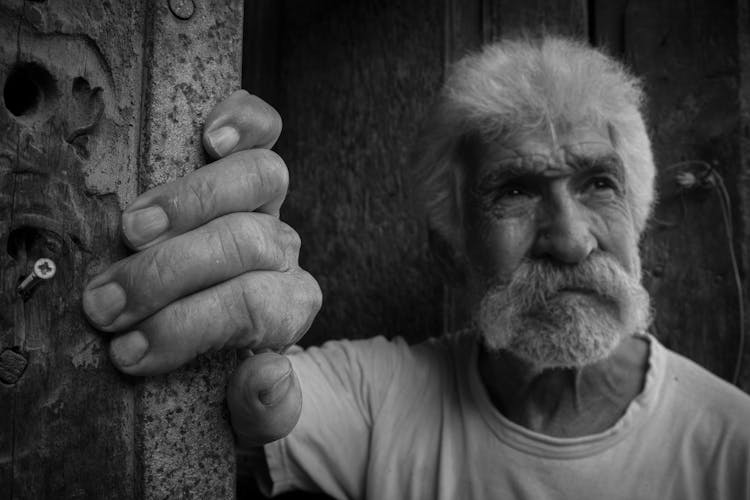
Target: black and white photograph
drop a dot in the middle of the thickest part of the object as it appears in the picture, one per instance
(375, 249)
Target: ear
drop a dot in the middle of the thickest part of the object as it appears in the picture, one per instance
(451, 263)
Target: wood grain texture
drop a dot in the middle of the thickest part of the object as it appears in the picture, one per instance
(71, 426)
(463, 28)
(691, 72)
(355, 79)
(503, 18)
(607, 25)
(743, 175)
(71, 80)
(346, 106)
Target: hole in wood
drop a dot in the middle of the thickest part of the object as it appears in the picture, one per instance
(26, 88)
(31, 243)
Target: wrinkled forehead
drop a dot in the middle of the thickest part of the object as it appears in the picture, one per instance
(550, 143)
(544, 147)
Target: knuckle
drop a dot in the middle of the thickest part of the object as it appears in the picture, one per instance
(308, 298)
(290, 238)
(286, 243)
(150, 274)
(272, 171)
(202, 191)
(227, 240)
(241, 94)
(173, 318)
(264, 171)
(263, 118)
(157, 265)
(251, 310)
(240, 239)
(247, 157)
(236, 318)
(314, 293)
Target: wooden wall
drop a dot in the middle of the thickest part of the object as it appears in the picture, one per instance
(348, 100)
(352, 79)
(691, 67)
(101, 100)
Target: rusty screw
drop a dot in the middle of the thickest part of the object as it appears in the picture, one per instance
(182, 9)
(43, 270)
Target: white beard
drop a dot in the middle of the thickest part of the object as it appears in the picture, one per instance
(531, 318)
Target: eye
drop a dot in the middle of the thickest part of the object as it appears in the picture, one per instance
(602, 184)
(512, 192)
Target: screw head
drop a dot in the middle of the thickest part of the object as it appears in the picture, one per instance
(45, 268)
(182, 9)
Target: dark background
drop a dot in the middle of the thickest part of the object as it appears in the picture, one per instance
(102, 100)
(352, 79)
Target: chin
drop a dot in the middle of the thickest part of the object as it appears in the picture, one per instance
(568, 333)
(562, 328)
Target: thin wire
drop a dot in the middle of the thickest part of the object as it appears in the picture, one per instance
(711, 176)
(726, 211)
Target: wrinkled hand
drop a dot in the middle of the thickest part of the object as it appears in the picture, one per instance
(215, 268)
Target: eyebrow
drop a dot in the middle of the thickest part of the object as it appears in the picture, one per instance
(526, 166)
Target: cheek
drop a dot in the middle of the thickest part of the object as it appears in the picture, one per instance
(617, 236)
(496, 247)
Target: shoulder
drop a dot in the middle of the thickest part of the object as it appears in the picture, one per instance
(360, 353)
(706, 420)
(380, 350)
(699, 386)
(714, 406)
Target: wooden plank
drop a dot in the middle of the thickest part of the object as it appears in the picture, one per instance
(691, 71)
(355, 79)
(463, 28)
(464, 32)
(71, 426)
(260, 46)
(607, 25)
(72, 83)
(193, 60)
(504, 18)
(743, 186)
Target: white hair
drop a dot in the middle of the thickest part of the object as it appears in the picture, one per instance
(514, 86)
(529, 317)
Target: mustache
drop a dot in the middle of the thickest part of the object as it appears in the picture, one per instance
(526, 314)
(536, 282)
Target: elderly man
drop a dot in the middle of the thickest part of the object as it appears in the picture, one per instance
(536, 169)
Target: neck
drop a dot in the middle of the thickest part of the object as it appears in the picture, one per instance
(566, 402)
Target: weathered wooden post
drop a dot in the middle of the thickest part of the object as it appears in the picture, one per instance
(101, 101)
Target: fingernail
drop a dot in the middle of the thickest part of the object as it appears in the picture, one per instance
(144, 225)
(223, 140)
(276, 392)
(128, 349)
(104, 304)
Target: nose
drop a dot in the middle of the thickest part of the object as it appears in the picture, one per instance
(564, 232)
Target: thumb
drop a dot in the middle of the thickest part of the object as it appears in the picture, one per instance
(264, 399)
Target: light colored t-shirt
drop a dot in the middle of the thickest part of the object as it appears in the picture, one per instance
(385, 420)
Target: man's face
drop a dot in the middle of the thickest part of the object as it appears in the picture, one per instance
(552, 246)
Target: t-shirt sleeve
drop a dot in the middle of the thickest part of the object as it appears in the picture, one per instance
(343, 385)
